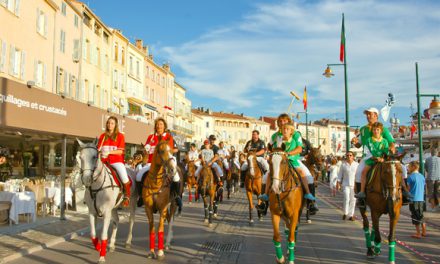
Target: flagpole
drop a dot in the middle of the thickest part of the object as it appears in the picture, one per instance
(347, 115)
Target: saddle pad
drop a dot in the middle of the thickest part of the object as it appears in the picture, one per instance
(116, 176)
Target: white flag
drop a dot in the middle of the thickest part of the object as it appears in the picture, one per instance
(385, 111)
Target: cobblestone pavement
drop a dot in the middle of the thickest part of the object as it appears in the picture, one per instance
(327, 239)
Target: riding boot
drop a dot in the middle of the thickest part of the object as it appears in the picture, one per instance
(127, 193)
(306, 190)
(139, 187)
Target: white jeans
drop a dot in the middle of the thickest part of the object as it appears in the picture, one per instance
(263, 163)
(142, 171)
(215, 166)
(122, 171)
(226, 164)
(349, 201)
(359, 170)
(306, 172)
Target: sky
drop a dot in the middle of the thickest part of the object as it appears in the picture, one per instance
(245, 56)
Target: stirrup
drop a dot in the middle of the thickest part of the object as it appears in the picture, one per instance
(360, 195)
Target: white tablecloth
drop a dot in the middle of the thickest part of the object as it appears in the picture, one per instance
(55, 194)
(21, 203)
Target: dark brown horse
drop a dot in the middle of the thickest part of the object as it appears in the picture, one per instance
(253, 183)
(384, 196)
(233, 175)
(285, 201)
(191, 180)
(157, 198)
(207, 189)
(313, 162)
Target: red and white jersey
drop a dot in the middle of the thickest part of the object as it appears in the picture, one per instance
(153, 140)
(106, 144)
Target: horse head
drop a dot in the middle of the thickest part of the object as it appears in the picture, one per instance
(163, 157)
(253, 165)
(88, 160)
(316, 157)
(391, 175)
(279, 167)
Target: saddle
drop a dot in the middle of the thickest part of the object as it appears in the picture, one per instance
(116, 177)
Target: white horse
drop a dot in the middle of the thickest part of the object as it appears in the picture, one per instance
(102, 196)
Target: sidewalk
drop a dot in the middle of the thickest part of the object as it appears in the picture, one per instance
(23, 239)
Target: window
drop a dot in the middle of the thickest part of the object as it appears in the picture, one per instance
(87, 20)
(105, 37)
(137, 69)
(75, 54)
(2, 55)
(41, 23)
(106, 64)
(17, 62)
(63, 41)
(72, 84)
(116, 51)
(115, 79)
(121, 82)
(98, 57)
(40, 73)
(86, 50)
(152, 97)
(122, 56)
(147, 72)
(60, 88)
(97, 29)
(11, 5)
(75, 20)
(131, 65)
(207, 124)
(63, 8)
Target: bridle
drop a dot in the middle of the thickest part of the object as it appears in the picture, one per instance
(89, 169)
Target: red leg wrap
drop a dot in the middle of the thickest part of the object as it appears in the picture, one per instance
(190, 197)
(96, 244)
(103, 251)
(160, 240)
(152, 240)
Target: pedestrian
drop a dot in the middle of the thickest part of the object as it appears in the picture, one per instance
(111, 146)
(416, 184)
(346, 179)
(333, 177)
(432, 167)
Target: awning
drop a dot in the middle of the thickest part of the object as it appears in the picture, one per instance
(136, 101)
(150, 107)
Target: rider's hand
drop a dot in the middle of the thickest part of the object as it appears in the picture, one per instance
(354, 140)
(209, 164)
(147, 147)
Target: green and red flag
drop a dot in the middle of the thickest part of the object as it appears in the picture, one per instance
(305, 98)
(342, 50)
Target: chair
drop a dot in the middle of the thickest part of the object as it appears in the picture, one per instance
(4, 212)
(2, 186)
(40, 196)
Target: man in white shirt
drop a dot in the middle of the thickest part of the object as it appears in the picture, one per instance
(346, 178)
(224, 155)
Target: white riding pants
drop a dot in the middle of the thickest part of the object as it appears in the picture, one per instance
(215, 166)
(142, 171)
(349, 201)
(306, 172)
(359, 170)
(122, 171)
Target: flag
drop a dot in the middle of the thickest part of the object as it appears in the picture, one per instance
(413, 129)
(339, 146)
(342, 50)
(305, 98)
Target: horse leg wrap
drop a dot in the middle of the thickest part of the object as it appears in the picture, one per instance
(96, 244)
(160, 240)
(391, 251)
(278, 250)
(376, 247)
(152, 240)
(103, 251)
(291, 247)
(367, 237)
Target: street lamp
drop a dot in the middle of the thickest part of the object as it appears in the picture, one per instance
(434, 108)
(328, 73)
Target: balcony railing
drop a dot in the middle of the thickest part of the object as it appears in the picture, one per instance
(183, 130)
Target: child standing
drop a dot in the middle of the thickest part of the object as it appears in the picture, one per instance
(416, 184)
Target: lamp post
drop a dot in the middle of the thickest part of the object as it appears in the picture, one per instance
(328, 73)
(434, 108)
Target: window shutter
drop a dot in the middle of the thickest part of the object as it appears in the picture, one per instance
(58, 80)
(2, 55)
(66, 84)
(17, 8)
(11, 60)
(38, 20)
(23, 66)
(45, 25)
(44, 75)
(36, 72)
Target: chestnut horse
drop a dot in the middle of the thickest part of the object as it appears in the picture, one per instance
(233, 175)
(207, 188)
(285, 201)
(157, 197)
(253, 183)
(191, 180)
(384, 196)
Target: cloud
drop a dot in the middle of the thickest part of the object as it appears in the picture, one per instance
(280, 47)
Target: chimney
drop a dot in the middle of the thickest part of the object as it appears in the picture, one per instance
(145, 50)
(241, 114)
(166, 66)
(150, 56)
(139, 44)
(202, 109)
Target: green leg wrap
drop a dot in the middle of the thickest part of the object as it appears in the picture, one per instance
(376, 247)
(392, 250)
(367, 237)
(278, 250)
(291, 247)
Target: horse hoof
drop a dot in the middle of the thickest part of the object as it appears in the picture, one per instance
(281, 260)
(210, 225)
(151, 255)
(111, 249)
(101, 260)
(160, 255)
(128, 245)
(206, 221)
(309, 221)
(215, 215)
